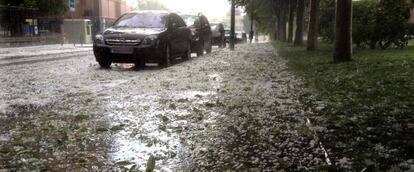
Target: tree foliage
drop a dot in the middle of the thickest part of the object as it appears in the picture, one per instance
(376, 23)
(364, 24)
(263, 11)
(45, 7)
(393, 14)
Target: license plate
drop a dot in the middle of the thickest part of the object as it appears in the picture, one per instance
(122, 50)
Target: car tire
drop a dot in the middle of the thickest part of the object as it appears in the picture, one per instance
(187, 55)
(140, 63)
(223, 42)
(105, 64)
(166, 57)
(200, 51)
(210, 47)
(104, 60)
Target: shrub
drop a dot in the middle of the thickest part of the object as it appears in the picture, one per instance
(376, 23)
(364, 23)
(327, 20)
(392, 23)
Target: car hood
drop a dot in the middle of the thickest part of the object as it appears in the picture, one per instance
(132, 33)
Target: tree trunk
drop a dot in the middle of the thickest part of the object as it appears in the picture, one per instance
(275, 30)
(313, 25)
(343, 31)
(251, 29)
(299, 23)
(292, 8)
(232, 23)
(282, 21)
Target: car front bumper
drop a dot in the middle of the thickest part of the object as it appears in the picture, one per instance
(127, 54)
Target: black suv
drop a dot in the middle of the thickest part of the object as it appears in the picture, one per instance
(218, 34)
(200, 31)
(143, 36)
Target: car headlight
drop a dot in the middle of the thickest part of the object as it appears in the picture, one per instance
(99, 39)
(150, 40)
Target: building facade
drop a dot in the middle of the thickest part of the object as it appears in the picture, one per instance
(102, 13)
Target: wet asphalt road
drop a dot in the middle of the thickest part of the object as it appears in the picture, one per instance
(70, 114)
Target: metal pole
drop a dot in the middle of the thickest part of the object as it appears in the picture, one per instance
(232, 23)
(73, 29)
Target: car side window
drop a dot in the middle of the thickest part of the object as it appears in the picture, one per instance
(177, 20)
(180, 22)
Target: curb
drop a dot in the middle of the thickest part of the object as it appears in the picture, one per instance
(38, 55)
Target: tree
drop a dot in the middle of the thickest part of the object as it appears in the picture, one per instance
(313, 25)
(45, 7)
(343, 31)
(282, 6)
(232, 23)
(292, 9)
(299, 22)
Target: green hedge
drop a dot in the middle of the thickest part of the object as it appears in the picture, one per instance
(376, 23)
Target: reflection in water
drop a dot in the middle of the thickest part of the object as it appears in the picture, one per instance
(152, 124)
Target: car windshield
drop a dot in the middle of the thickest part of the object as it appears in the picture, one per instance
(190, 20)
(141, 20)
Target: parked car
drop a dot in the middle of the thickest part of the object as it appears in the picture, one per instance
(201, 33)
(143, 36)
(240, 36)
(218, 34)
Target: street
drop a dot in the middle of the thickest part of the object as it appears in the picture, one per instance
(225, 110)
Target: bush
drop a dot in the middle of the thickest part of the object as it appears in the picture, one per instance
(376, 23)
(392, 23)
(327, 20)
(411, 29)
(364, 23)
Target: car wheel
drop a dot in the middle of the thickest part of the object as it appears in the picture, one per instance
(210, 47)
(140, 63)
(223, 42)
(187, 55)
(200, 50)
(103, 59)
(105, 64)
(166, 58)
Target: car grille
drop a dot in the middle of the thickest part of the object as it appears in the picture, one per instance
(122, 41)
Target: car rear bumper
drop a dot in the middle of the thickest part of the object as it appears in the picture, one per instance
(127, 54)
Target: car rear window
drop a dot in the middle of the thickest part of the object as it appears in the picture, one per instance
(190, 20)
(214, 27)
(142, 20)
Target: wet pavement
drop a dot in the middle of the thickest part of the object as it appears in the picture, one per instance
(223, 111)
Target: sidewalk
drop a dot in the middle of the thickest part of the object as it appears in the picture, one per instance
(42, 50)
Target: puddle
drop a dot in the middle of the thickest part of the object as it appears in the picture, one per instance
(152, 126)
